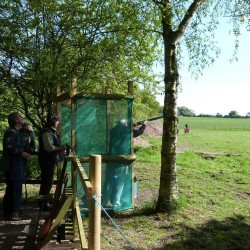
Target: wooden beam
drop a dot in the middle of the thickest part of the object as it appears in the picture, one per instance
(113, 158)
(83, 241)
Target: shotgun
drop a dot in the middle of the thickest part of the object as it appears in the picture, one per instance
(150, 119)
(56, 200)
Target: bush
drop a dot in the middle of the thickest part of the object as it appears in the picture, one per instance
(32, 168)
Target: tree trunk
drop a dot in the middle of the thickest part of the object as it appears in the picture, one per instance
(168, 191)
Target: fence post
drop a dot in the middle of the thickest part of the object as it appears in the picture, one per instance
(74, 183)
(94, 239)
(130, 87)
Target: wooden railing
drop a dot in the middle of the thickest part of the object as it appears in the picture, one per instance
(92, 187)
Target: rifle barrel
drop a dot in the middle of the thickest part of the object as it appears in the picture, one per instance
(155, 118)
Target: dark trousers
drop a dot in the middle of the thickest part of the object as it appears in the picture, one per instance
(8, 196)
(47, 176)
(13, 195)
(17, 199)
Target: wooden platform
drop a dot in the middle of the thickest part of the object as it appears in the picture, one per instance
(22, 234)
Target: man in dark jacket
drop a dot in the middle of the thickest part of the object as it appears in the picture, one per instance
(50, 151)
(139, 131)
(14, 157)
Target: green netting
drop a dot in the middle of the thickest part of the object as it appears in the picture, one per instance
(116, 187)
(103, 126)
(66, 127)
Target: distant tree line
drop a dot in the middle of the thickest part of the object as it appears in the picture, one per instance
(184, 111)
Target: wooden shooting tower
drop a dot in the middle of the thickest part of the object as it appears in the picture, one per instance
(88, 122)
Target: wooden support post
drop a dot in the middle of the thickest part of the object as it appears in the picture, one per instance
(74, 90)
(58, 112)
(73, 147)
(107, 90)
(130, 87)
(74, 184)
(130, 91)
(108, 119)
(94, 240)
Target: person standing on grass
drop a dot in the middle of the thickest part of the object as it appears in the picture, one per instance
(49, 154)
(14, 158)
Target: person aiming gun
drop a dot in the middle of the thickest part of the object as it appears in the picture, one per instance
(139, 131)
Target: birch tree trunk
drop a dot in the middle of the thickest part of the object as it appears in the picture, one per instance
(168, 180)
(168, 190)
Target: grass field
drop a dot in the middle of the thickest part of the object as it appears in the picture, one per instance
(213, 166)
(214, 189)
(215, 123)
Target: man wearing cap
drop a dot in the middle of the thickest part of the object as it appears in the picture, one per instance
(50, 149)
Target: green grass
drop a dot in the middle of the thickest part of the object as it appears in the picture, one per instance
(228, 142)
(213, 169)
(214, 123)
(214, 189)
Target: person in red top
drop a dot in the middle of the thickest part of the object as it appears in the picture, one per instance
(186, 129)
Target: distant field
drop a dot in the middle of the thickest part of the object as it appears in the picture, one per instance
(217, 141)
(215, 135)
(224, 135)
(214, 123)
(214, 188)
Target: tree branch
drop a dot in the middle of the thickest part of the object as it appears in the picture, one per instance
(187, 18)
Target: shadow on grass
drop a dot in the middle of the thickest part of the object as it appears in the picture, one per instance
(230, 234)
(146, 210)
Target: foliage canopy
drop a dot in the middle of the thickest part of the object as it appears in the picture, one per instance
(45, 43)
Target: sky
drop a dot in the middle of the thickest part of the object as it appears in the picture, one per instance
(224, 86)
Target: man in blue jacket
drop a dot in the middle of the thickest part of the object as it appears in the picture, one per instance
(14, 158)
